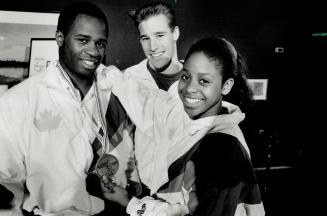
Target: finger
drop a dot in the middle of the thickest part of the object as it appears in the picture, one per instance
(104, 187)
(105, 179)
(109, 195)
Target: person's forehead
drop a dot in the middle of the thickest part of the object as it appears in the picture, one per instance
(81, 19)
(155, 21)
(87, 23)
(200, 63)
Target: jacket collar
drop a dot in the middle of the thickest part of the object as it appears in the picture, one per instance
(215, 123)
(106, 76)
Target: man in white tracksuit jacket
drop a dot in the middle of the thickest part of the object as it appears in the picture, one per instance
(48, 122)
(46, 133)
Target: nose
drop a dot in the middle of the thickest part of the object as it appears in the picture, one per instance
(93, 50)
(153, 45)
(190, 87)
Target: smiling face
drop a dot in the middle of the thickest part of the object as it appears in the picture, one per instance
(201, 87)
(82, 49)
(158, 40)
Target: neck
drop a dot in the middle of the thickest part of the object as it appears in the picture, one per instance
(211, 111)
(82, 84)
(162, 69)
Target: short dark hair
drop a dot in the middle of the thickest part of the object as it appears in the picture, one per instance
(153, 9)
(69, 13)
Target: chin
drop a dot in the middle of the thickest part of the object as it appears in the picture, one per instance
(190, 113)
(87, 74)
(159, 64)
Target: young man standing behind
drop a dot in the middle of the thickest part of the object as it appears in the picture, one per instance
(158, 34)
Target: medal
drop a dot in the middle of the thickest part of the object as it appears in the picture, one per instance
(107, 166)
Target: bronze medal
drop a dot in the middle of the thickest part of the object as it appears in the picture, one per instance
(107, 166)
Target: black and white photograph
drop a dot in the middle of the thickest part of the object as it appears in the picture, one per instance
(161, 107)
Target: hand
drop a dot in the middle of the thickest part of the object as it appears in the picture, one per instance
(117, 194)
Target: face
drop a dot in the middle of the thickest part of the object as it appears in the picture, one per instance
(200, 86)
(158, 40)
(83, 48)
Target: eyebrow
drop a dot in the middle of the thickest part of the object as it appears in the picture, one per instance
(88, 37)
(82, 35)
(184, 69)
(155, 33)
(142, 36)
(201, 74)
(103, 40)
(160, 32)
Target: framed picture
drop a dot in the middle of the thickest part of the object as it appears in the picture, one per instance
(17, 29)
(43, 51)
(259, 88)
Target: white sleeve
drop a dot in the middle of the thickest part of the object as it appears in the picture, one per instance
(141, 103)
(148, 206)
(12, 168)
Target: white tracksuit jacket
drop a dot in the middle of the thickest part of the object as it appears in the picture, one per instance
(165, 133)
(46, 132)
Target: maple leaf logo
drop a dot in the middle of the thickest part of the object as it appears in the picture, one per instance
(47, 121)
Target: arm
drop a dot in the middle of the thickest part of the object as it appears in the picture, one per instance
(142, 103)
(12, 168)
(232, 183)
(148, 206)
(154, 207)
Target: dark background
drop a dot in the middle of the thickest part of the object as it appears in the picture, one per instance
(281, 130)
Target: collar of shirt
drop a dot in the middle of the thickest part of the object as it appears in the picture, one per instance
(56, 78)
(193, 126)
(215, 123)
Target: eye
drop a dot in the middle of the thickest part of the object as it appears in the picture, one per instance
(101, 45)
(160, 35)
(184, 77)
(82, 41)
(203, 81)
(144, 38)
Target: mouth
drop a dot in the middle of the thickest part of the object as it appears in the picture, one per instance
(156, 55)
(90, 64)
(191, 101)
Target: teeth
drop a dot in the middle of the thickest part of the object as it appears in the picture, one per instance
(192, 100)
(156, 54)
(90, 63)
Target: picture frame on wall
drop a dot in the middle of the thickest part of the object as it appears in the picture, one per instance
(17, 29)
(259, 88)
(43, 51)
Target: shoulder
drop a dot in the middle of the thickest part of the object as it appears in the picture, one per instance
(20, 96)
(21, 91)
(222, 147)
(138, 67)
(16, 104)
(224, 154)
(220, 141)
(108, 76)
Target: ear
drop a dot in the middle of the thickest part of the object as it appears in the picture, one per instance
(227, 86)
(176, 33)
(59, 38)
